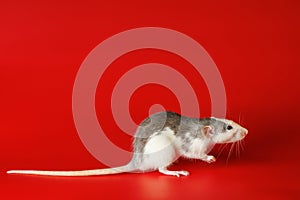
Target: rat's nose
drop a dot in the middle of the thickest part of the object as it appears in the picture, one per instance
(245, 131)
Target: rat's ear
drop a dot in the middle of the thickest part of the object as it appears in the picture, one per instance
(207, 130)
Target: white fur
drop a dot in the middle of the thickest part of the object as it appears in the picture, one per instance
(223, 138)
(160, 150)
(158, 142)
(197, 149)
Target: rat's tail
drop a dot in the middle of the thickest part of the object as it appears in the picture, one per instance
(93, 172)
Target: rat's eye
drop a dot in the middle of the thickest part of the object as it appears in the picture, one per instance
(229, 127)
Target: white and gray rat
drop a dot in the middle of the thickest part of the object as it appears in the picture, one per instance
(161, 139)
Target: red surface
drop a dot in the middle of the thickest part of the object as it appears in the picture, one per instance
(255, 44)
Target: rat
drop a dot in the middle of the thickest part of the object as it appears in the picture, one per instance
(161, 139)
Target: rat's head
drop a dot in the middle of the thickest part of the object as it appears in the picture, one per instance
(224, 131)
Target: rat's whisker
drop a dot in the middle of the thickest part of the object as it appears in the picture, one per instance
(242, 145)
(239, 149)
(221, 149)
(236, 149)
(229, 153)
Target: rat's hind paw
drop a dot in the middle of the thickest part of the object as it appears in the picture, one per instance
(173, 173)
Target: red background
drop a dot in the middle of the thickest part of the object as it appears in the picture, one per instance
(255, 44)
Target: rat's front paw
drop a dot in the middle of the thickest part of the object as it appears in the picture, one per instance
(210, 159)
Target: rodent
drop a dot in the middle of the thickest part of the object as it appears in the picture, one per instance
(161, 139)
